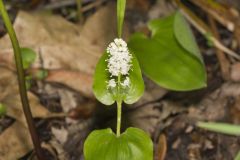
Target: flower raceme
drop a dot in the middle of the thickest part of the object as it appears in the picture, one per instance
(119, 62)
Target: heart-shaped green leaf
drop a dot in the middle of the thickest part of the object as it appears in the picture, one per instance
(28, 57)
(185, 37)
(171, 57)
(102, 76)
(133, 144)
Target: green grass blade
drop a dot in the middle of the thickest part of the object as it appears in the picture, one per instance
(238, 156)
(121, 5)
(221, 128)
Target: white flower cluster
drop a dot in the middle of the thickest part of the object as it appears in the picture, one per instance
(119, 62)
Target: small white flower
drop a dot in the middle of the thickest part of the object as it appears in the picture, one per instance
(112, 83)
(126, 82)
(119, 62)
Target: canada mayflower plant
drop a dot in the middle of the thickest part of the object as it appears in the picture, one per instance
(118, 79)
(119, 63)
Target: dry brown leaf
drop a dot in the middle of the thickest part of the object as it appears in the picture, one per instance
(220, 100)
(152, 117)
(142, 5)
(63, 45)
(161, 147)
(146, 117)
(15, 142)
(78, 80)
(235, 72)
(61, 134)
(61, 153)
(9, 95)
(153, 92)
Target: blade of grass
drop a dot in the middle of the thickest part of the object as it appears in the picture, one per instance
(238, 156)
(121, 5)
(221, 128)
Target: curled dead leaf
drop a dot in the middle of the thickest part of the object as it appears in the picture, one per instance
(161, 147)
(15, 142)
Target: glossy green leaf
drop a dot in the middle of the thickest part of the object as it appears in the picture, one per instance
(221, 127)
(184, 35)
(170, 57)
(28, 57)
(3, 109)
(133, 144)
(102, 76)
(121, 5)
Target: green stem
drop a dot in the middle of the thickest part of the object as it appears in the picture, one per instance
(119, 116)
(79, 10)
(21, 81)
(119, 107)
(121, 5)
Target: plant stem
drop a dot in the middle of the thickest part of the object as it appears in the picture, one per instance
(121, 5)
(119, 116)
(119, 107)
(79, 10)
(21, 81)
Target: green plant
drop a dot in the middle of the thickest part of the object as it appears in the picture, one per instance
(237, 156)
(28, 57)
(3, 109)
(118, 79)
(21, 80)
(171, 58)
(79, 10)
(224, 128)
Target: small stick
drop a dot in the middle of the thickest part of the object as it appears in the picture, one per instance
(218, 12)
(203, 29)
(72, 2)
(224, 63)
(79, 10)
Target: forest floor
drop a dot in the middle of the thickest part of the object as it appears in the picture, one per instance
(69, 42)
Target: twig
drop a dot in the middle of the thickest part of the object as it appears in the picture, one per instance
(203, 29)
(55, 115)
(228, 17)
(224, 63)
(70, 3)
(218, 12)
(59, 4)
(79, 11)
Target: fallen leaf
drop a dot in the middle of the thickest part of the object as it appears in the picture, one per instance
(235, 72)
(64, 46)
(61, 134)
(141, 5)
(61, 153)
(220, 100)
(161, 147)
(146, 117)
(153, 92)
(77, 80)
(15, 142)
(9, 95)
